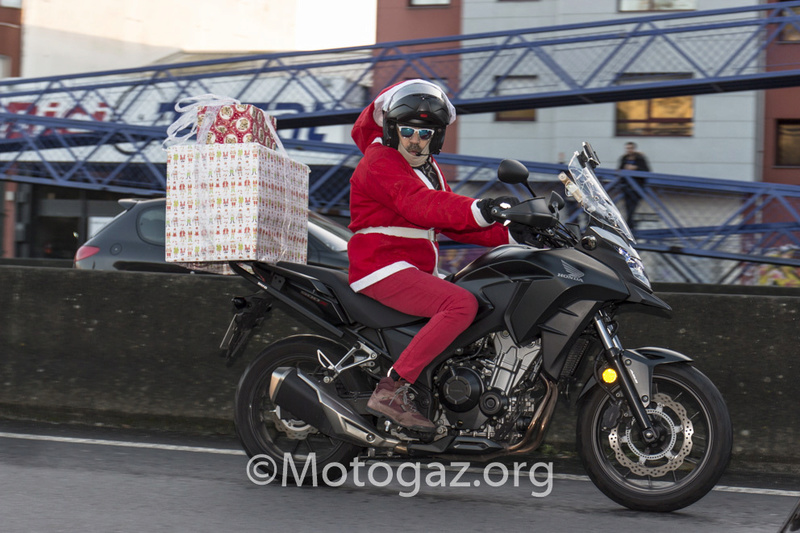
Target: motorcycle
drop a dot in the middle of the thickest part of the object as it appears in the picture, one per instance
(653, 432)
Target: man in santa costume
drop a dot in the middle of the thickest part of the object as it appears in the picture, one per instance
(399, 203)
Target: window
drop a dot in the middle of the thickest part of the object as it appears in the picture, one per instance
(5, 66)
(657, 5)
(151, 224)
(665, 117)
(415, 3)
(787, 143)
(511, 85)
(11, 3)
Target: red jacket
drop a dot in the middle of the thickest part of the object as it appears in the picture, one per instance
(386, 192)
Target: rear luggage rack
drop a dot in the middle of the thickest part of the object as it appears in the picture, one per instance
(276, 283)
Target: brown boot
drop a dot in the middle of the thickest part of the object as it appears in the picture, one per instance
(391, 399)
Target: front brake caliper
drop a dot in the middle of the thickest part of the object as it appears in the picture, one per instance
(612, 415)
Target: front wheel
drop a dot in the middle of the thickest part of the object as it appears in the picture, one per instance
(677, 470)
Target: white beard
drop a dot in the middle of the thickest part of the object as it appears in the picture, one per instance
(414, 160)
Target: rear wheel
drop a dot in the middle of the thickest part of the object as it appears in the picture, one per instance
(682, 466)
(283, 440)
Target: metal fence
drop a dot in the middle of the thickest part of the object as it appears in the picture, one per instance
(103, 130)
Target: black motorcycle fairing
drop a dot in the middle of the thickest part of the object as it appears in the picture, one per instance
(606, 252)
(396, 339)
(512, 256)
(645, 302)
(561, 332)
(539, 283)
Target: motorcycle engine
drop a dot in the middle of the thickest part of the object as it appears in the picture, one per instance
(476, 391)
(461, 390)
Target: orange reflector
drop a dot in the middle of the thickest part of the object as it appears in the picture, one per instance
(609, 375)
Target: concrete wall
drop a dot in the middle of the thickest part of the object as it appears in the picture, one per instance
(120, 347)
(141, 349)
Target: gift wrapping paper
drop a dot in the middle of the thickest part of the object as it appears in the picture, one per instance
(241, 202)
(234, 123)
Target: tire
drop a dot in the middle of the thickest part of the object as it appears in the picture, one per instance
(265, 430)
(682, 466)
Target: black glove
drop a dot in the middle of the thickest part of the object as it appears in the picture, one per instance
(503, 202)
(522, 234)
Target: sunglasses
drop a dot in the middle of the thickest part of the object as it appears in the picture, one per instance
(408, 132)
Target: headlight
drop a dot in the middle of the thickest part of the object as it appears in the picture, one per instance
(635, 264)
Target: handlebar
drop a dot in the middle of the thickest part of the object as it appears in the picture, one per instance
(540, 218)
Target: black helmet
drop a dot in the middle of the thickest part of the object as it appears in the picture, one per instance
(417, 104)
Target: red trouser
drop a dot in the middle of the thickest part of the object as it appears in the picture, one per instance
(451, 310)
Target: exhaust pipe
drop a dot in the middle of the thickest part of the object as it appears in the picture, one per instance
(292, 390)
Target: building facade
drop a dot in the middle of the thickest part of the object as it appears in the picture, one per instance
(10, 66)
(781, 115)
(748, 136)
(714, 136)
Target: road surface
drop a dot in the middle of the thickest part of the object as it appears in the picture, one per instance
(74, 479)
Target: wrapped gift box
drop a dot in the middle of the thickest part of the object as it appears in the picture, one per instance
(241, 202)
(234, 123)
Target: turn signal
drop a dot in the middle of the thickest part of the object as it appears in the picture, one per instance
(609, 375)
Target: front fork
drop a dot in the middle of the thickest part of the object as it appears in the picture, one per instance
(636, 393)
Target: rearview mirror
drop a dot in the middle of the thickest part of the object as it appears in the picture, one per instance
(555, 202)
(512, 171)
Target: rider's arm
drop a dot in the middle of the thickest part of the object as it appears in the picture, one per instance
(392, 183)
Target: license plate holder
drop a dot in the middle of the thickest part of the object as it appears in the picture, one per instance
(229, 334)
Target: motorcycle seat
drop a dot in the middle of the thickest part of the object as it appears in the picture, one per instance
(360, 308)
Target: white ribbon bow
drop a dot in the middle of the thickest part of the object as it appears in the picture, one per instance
(188, 108)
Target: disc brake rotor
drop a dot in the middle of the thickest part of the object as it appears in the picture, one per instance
(659, 463)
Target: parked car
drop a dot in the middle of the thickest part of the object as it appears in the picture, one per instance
(134, 240)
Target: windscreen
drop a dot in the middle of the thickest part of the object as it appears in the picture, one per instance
(582, 185)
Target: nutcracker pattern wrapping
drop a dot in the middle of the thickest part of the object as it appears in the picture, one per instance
(236, 201)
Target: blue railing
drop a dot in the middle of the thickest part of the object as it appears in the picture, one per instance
(88, 128)
(601, 61)
(102, 130)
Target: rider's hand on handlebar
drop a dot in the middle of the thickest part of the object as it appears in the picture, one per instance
(502, 202)
(523, 234)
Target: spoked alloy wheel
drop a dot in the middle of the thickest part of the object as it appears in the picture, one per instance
(681, 466)
(266, 429)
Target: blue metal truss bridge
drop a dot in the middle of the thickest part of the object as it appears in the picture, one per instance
(103, 130)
